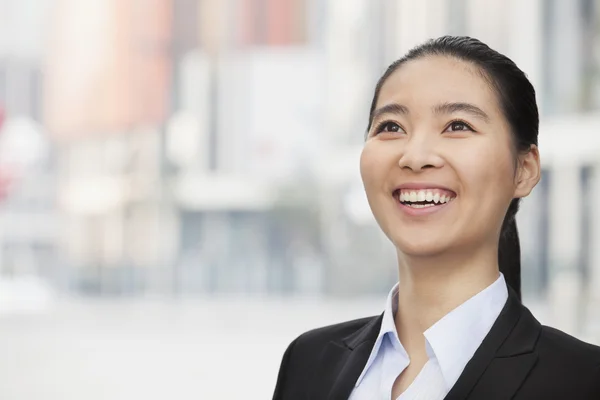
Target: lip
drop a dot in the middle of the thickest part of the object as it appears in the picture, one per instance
(417, 212)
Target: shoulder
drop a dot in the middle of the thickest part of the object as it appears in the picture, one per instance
(304, 355)
(555, 344)
(565, 365)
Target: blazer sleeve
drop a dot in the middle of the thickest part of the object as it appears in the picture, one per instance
(282, 376)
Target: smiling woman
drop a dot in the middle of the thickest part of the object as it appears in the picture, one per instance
(451, 148)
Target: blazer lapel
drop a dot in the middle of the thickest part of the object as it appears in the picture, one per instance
(343, 361)
(505, 357)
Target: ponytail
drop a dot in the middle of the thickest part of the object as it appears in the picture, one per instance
(509, 249)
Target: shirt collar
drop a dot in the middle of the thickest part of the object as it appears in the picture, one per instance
(388, 326)
(453, 339)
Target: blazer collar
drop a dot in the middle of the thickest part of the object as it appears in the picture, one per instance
(342, 362)
(509, 346)
(367, 333)
(507, 353)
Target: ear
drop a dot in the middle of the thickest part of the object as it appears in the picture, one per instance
(528, 172)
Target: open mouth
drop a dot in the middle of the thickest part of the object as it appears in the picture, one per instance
(424, 198)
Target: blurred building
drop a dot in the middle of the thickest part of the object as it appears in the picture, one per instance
(28, 238)
(168, 169)
(108, 71)
(236, 136)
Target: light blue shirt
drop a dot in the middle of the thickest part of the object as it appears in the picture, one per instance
(450, 344)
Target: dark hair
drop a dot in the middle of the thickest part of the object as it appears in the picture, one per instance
(516, 96)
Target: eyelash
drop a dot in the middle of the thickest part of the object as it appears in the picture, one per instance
(381, 125)
(458, 121)
(379, 128)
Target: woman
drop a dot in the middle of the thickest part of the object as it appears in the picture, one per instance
(451, 149)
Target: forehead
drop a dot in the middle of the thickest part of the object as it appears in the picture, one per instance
(432, 80)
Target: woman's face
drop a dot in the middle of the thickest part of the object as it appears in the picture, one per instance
(438, 164)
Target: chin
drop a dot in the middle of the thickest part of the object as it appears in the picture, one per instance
(425, 247)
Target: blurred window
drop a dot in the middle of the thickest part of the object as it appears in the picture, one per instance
(272, 22)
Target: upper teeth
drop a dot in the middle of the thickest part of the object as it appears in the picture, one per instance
(432, 195)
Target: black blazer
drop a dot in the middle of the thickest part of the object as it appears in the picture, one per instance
(518, 359)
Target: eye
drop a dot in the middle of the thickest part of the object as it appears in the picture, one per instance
(388, 126)
(456, 126)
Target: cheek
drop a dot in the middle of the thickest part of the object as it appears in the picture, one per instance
(488, 170)
(371, 166)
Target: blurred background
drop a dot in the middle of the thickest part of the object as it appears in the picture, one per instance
(179, 182)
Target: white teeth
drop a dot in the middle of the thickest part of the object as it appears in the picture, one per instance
(424, 196)
(421, 205)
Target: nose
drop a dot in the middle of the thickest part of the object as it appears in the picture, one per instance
(419, 153)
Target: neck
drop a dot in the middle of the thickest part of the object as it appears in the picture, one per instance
(431, 287)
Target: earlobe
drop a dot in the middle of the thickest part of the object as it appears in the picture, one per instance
(529, 172)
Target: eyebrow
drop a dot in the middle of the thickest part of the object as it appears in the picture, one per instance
(444, 108)
(451, 108)
(393, 108)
